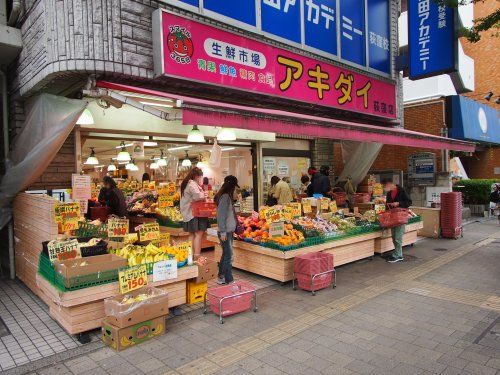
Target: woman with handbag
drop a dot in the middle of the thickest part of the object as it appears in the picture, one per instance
(191, 191)
(227, 223)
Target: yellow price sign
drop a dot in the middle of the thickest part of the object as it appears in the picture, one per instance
(273, 214)
(165, 201)
(63, 250)
(186, 246)
(117, 227)
(149, 232)
(333, 206)
(325, 202)
(306, 206)
(287, 213)
(296, 208)
(130, 238)
(164, 240)
(67, 212)
(379, 208)
(133, 278)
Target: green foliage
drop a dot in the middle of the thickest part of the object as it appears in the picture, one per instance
(475, 191)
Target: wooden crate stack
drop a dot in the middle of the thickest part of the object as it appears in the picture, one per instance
(33, 223)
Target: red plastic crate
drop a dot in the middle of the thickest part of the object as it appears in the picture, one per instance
(313, 263)
(204, 209)
(393, 217)
(340, 198)
(361, 198)
(319, 282)
(100, 213)
(235, 303)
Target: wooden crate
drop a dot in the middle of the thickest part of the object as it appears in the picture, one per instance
(278, 265)
(179, 235)
(83, 310)
(384, 242)
(34, 223)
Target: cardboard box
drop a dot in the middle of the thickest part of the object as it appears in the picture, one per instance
(431, 220)
(72, 268)
(125, 315)
(123, 338)
(207, 272)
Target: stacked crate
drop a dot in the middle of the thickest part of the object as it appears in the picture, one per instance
(451, 214)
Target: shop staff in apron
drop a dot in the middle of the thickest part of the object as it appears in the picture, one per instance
(396, 198)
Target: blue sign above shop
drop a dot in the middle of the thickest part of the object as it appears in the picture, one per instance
(473, 121)
(336, 29)
(432, 41)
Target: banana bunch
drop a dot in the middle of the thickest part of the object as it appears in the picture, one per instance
(173, 213)
(150, 254)
(126, 342)
(179, 254)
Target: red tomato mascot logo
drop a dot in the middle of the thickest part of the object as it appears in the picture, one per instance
(180, 44)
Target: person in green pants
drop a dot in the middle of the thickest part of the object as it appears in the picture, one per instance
(397, 197)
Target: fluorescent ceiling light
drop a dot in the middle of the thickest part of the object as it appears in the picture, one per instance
(195, 135)
(227, 148)
(150, 144)
(179, 148)
(226, 134)
(85, 118)
(158, 104)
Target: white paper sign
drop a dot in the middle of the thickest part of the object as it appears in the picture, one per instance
(283, 169)
(269, 165)
(165, 270)
(80, 186)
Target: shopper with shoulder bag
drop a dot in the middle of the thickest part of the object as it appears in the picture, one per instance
(227, 223)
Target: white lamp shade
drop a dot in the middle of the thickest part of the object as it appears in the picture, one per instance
(154, 165)
(134, 168)
(111, 168)
(92, 160)
(85, 118)
(226, 134)
(162, 162)
(123, 156)
(129, 166)
(186, 163)
(195, 135)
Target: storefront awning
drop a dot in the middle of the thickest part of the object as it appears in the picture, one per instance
(211, 113)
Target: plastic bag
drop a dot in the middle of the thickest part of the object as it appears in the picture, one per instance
(215, 155)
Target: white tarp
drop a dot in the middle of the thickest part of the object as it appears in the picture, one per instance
(358, 158)
(48, 123)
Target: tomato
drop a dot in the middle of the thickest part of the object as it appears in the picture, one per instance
(180, 44)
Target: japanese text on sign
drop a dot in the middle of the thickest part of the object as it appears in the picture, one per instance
(149, 232)
(165, 270)
(68, 215)
(117, 227)
(165, 201)
(277, 229)
(306, 206)
(63, 250)
(133, 278)
(296, 208)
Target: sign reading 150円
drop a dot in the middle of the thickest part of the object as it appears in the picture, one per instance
(334, 29)
(197, 52)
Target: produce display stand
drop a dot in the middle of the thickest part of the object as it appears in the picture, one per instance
(83, 310)
(384, 242)
(278, 265)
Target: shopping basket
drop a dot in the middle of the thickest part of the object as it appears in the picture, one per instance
(204, 209)
(393, 217)
(361, 197)
(340, 197)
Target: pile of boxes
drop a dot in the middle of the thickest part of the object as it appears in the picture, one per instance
(196, 288)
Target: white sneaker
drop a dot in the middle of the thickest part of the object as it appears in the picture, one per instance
(221, 281)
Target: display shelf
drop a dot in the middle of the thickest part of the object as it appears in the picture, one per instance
(384, 242)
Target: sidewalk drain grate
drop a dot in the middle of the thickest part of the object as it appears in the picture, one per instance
(4, 331)
(440, 249)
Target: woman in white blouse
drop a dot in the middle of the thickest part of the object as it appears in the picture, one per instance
(192, 191)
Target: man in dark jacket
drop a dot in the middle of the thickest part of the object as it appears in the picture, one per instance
(320, 183)
(396, 198)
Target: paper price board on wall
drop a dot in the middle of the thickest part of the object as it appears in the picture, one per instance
(117, 227)
(165, 270)
(306, 206)
(277, 229)
(133, 278)
(165, 201)
(149, 232)
(63, 250)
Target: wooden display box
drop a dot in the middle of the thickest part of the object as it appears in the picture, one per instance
(384, 242)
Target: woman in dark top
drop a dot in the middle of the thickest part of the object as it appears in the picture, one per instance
(113, 197)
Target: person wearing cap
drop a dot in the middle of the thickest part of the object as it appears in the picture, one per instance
(226, 222)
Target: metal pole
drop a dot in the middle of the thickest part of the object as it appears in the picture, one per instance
(5, 121)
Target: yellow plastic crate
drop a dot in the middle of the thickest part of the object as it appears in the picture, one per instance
(196, 291)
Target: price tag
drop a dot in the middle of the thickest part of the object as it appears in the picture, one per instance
(186, 246)
(117, 227)
(287, 213)
(65, 212)
(273, 214)
(277, 229)
(165, 201)
(325, 203)
(379, 208)
(306, 206)
(64, 250)
(162, 191)
(165, 270)
(149, 232)
(133, 278)
(171, 188)
(130, 238)
(163, 241)
(333, 206)
(134, 185)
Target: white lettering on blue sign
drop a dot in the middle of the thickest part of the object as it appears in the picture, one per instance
(314, 11)
(379, 41)
(424, 36)
(277, 4)
(441, 16)
(348, 28)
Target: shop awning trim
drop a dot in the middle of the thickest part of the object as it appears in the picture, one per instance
(211, 113)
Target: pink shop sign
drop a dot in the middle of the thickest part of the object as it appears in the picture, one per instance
(194, 51)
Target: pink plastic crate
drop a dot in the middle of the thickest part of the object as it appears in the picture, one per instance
(236, 298)
(319, 282)
(313, 263)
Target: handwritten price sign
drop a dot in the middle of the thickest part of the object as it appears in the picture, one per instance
(273, 214)
(325, 202)
(133, 278)
(333, 206)
(165, 201)
(149, 232)
(117, 227)
(64, 250)
(277, 229)
(296, 209)
(306, 206)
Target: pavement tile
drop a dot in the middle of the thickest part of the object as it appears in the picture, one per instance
(478, 369)
(149, 365)
(265, 369)
(494, 362)
(453, 361)
(474, 357)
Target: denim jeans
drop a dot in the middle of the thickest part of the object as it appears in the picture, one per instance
(397, 240)
(226, 260)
